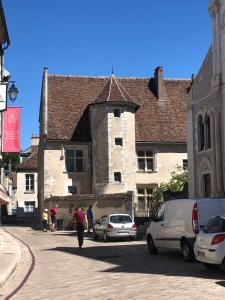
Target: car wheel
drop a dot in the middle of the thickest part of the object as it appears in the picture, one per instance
(95, 237)
(105, 237)
(151, 246)
(187, 252)
(211, 266)
(132, 238)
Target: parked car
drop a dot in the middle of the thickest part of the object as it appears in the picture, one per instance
(115, 226)
(209, 247)
(177, 222)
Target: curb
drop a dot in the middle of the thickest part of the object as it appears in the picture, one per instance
(10, 255)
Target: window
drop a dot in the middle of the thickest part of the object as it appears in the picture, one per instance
(207, 132)
(119, 141)
(141, 203)
(29, 182)
(29, 206)
(185, 164)
(161, 212)
(206, 185)
(120, 219)
(201, 136)
(215, 225)
(146, 160)
(117, 176)
(204, 135)
(72, 189)
(144, 198)
(74, 160)
(116, 113)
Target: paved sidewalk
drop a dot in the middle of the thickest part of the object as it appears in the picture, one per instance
(10, 254)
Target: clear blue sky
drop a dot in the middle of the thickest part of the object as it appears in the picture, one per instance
(88, 37)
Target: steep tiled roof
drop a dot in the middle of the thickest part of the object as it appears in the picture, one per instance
(156, 121)
(31, 163)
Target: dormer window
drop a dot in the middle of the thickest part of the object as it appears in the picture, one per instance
(117, 113)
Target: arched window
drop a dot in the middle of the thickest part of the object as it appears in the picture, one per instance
(207, 132)
(201, 135)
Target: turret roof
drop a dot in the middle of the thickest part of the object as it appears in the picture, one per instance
(113, 91)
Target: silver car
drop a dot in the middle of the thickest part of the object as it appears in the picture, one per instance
(115, 226)
(209, 246)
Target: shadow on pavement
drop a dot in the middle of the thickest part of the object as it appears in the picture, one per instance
(221, 283)
(134, 258)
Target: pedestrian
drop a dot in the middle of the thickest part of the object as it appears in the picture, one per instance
(45, 218)
(53, 212)
(90, 218)
(81, 222)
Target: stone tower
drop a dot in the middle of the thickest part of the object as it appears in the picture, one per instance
(112, 118)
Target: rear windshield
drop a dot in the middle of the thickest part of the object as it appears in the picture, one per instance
(214, 225)
(120, 219)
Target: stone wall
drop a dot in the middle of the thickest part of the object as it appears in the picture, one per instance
(101, 205)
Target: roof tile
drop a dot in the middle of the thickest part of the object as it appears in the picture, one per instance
(156, 120)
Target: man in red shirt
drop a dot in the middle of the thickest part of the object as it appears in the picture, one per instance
(53, 212)
(81, 221)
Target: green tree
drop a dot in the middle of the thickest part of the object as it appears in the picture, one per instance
(7, 157)
(175, 184)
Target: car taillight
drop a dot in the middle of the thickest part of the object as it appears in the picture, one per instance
(218, 239)
(134, 226)
(109, 226)
(195, 219)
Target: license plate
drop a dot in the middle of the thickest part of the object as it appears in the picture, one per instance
(201, 254)
(122, 232)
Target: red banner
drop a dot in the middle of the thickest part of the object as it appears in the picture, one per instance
(11, 130)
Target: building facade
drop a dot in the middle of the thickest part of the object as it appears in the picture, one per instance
(5, 179)
(206, 115)
(26, 190)
(108, 135)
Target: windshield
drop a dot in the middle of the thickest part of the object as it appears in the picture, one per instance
(214, 225)
(120, 219)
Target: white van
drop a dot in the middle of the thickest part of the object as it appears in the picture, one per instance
(177, 222)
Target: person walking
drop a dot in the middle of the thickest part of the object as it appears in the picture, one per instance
(90, 218)
(53, 212)
(45, 217)
(81, 221)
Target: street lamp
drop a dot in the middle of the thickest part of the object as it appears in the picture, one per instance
(13, 92)
(8, 91)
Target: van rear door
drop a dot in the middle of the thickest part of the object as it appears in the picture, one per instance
(222, 206)
(207, 208)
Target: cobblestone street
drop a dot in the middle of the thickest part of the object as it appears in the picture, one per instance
(113, 270)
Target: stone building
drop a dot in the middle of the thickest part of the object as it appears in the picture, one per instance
(206, 115)
(109, 135)
(26, 178)
(4, 43)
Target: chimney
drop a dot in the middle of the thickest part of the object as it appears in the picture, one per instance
(34, 140)
(158, 75)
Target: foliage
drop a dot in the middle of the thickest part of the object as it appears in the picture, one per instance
(6, 157)
(175, 184)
